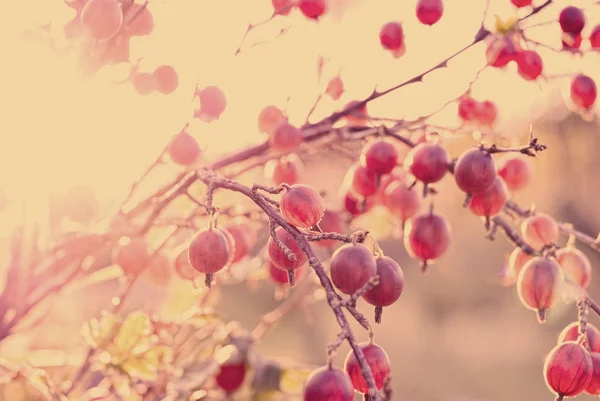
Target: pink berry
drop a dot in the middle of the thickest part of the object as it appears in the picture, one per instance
(486, 113)
(282, 7)
(364, 181)
(595, 38)
(379, 156)
(357, 205)
(144, 83)
(269, 118)
(518, 259)
(516, 173)
(302, 206)
(571, 333)
(142, 24)
(286, 138)
(184, 149)
(209, 252)
(385, 181)
(539, 284)
(583, 91)
(280, 276)
(133, 257)
(467, 108)
(391, 36)
(328, 384)
(231, 376)
(212, 103)
(530, 64)
(571, 41)
(521, 3)
(278, 256)
(475, 171)
(183, 267)
(377, 360)
(401, 201)
(490, 202)
(102, 19)
(575, 265)
(312, 8)
(594, 386)
(389, 289)
(330, 223)
(429, 11)
(500, 52)
(427, 236)
(427, 162)
(351, 266)
(286, 169)
(167, 79)
(571, 20)
(159, 270)
(335, 88)
(568, 369)
(540, 230)
(242, 238)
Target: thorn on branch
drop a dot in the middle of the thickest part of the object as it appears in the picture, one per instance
(531, 149)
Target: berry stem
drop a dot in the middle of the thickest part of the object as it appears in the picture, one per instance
(378, 313)
(291, 277)
(208, 280)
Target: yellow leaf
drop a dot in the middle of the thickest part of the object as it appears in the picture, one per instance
(96, 332)
(292, 380)
(134, 334)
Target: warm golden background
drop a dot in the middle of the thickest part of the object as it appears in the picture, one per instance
(456, 334)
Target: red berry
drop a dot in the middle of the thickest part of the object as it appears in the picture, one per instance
(312, 8)
(429, 11)
(280, 276)
(183, 267)
(302, 206)
(571, 333)
(278, 256)
(282, 7)
(377, 360)
(518, 259)
(571, 20)
(231, 376)
(389, 289)
(159, 270)
(568, 369)
(102, 19)
(500, 52)
(521, 3)
(391, 36)
(351, 266)
(401, 201)
(142, 24)
(575, 265)
(286, 138)
(269, 118)
(356, 116)
(330, 223)
(427, 162)
(356, 205)
(335, 88)
(133, 257)
(209, 252)
(328, 384)
(379, 156)
(385, 181)
(530, 64)
(516, 173)
(486, 113)
(540, 230)
(184, 149)
(490, 202)
(539, 284)
(242, 240)
(286, 169)
(144, 83)
(475, 171)
(212, 103)
(583, 91)
(364, 181)
(467, 108)
(571, 41)
(167, 79)
(595, 38)
(594, 386)
(427, 236)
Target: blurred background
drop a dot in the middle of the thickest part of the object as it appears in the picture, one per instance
(457, 333)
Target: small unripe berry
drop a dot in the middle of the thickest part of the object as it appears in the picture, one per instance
(184, 149)
(328, 384)
(568, 369)
(539, 284)
(212, 103)
(351, 266)
(144, 83)
(269, 118)
(167, 79)
(286, 169)
(302, 206)
(378, 361)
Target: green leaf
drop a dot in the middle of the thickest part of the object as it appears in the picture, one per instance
(292, 380)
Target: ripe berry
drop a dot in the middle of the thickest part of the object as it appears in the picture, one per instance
(328, 384)
(486, 113)
(540, 230)
(594, 386)
(521, 3)
(231, 376)
(357, 115)
(429, 11)
(467, 108)
(142, 24)
(364, 181)
(286, 169)
(571, 333)
(312, 8)
(568, 369)
(279, 276)
(183, 267)
(280, 259)
(539, 284)
(391, 36)
(500, 52)
(530, 64)
(212, 103)
(427, 162)
(401, 201)
(144, 83)
(571, 20)
(575, 265)
(595, 38)
(330, 223)
(389, 289)
(490, 202)
(475, 171)
(379, 156)
(209, 252)
(286, 138)
(427, 236)
(516, 173)
(167, 79)
(335, 88)
(518, 259)
(243, 238)
(357, 205)
(583, 91)
(282, 7)
(159, 270)
(385, 181)
(377, 360)
(133, 257)
(351, 266)
(102, 19)
(184, 149)
(302, 206)
(571, 41)
(269, 118)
